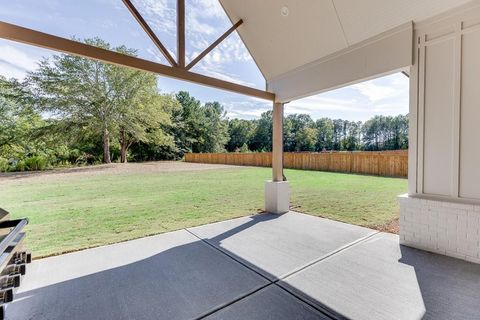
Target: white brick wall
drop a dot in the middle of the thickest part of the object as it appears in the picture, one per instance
(448, 228)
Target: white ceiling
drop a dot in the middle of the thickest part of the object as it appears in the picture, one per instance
(317, 28)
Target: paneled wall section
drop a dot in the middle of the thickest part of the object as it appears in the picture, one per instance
(446, 77)
(442, 212)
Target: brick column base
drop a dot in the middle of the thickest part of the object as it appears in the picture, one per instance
(439, 226)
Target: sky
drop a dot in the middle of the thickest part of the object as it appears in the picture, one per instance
(205, 22)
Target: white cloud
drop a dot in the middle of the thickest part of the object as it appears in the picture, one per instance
(199, 17)
(249, 108)
(220, 73)
(158, 57)
(383, 88)
(9, 71)
(374, 92)
(318, 104)
(385, 96)
(14, 62)
(160, 14)
(208, 8)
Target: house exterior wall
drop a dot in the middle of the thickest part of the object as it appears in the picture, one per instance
(444, 158)
(440, 226)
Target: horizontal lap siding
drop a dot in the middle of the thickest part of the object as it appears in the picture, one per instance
(388, 164)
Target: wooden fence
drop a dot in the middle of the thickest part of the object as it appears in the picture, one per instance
(384, 163)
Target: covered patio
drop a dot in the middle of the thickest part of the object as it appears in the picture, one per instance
(286, 265)
(267, 266)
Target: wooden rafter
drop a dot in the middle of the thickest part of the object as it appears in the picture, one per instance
(214, 44)
(150, 32)
(20, 34)
(181, 33)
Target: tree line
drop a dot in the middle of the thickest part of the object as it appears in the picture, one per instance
(76, 111)
(302, 133)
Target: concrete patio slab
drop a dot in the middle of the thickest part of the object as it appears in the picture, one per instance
(379, 279)
(330, 269)
(276, 245)
(170, 276)
(272, 303)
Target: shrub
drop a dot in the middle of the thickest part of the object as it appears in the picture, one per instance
(20, 165)
(244, 148)
(36, 163)
(4, 165)
(84, 159)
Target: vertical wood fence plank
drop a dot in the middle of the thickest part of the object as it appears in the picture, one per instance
(385, 163)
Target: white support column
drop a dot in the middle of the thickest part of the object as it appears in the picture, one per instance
(277, 192)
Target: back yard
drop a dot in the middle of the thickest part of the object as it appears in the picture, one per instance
(84, 207)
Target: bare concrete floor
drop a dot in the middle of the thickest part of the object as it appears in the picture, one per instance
(291, 266)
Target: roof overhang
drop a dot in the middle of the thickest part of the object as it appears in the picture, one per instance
(387, 53)
(309, 46)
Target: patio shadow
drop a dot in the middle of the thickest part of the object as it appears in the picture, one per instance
(187, 279)
(450, 287)
(180, 276)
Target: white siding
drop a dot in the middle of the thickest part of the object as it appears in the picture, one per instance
(439, 74)
(445, 107)
(470, 117)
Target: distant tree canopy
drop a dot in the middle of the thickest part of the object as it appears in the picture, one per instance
(74, 111)
(301, 133)
(199, 128)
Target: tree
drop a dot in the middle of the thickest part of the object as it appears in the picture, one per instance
(399, 133)
(352, 136)
(18, 120)
(262, 136)
(299, 132)
(142, 113)
(215, 133)
(386, 133)
(324, 134)
(95, 97)
(8, 111)
(338, 130)
(145, 122)
(240, 133)
(188, 123)
(199, 128)
(306, 139)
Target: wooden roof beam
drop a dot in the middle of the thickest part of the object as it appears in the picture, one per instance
(20, 34)
(181, 33)
(149, 32)
(214, 44)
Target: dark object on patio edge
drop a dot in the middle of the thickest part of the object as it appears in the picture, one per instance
(13, 258)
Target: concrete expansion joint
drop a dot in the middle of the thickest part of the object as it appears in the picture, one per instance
(327, 256)
(275, 281)
(229, 255)
(209, 313)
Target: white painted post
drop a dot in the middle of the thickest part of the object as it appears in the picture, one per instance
(277, 192)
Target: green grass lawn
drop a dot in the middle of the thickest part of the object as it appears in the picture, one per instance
(75, 212)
